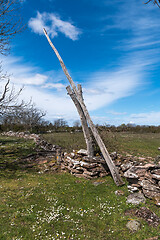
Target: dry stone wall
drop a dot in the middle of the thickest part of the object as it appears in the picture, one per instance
(83, 166)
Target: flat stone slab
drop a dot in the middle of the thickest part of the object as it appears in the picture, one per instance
(136, 198)
(147, 185)
(130, 173)
(133, 225)
(83, 152)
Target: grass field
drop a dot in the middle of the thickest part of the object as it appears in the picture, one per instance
(145, 144)
(60, 206)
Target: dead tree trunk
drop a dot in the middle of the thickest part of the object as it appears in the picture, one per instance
(85, 128)
(112, 167)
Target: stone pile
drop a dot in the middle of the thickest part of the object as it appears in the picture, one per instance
(142, 177)
(78, 164)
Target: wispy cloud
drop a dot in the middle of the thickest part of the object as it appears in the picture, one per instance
(53, 24)
(114, 113)
(57, 86)
(148, 118)
(48, 90)
(139, 20)
(104, 88)
(37, 79)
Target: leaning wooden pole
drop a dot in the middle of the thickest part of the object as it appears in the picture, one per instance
(111, 165)
(85, 128)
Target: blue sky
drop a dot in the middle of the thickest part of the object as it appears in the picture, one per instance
(112, 48)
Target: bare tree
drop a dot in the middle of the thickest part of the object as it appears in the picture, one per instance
(28, 116)
(10, 23)
(157, 2)
(76, 124)
(60, 123)
(9, 95)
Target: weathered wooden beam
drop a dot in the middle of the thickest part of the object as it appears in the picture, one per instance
(85, 128)
(111, 165)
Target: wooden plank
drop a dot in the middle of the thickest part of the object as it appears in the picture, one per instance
(85, 128)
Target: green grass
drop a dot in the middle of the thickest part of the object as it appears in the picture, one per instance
(12, 150)
(145, 144)
(67, 140)
(61, 206)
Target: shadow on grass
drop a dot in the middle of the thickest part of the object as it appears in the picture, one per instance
(13, 156)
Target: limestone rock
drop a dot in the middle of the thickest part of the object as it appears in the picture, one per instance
(150, 194)
(156, 171)
(132, 189)
(90, 173)
(113, 155)
(156, 176)
(126, 166)
(130, 173)
(83, 152)
(133, 225)
(146, 184)
(136, 198)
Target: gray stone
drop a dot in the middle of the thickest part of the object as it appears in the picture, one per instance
(130, 173)
(113, 155)
(136, 198)
(156, 176)
(133, 225)
(156, 171)
(126, 166)
(149, 186)
(132, 189)
(151, 194)
(83, 152)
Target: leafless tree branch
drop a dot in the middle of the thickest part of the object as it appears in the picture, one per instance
(157, 2)
(10, 23)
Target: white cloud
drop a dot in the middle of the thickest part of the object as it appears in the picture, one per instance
(140, 20)
(58, 86)
(48, 89)
(149, 118)
(53, 24)
(103, 88)
(116, 113)
(37, 79)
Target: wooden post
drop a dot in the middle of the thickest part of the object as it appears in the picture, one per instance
(85, 128)
(112, 167)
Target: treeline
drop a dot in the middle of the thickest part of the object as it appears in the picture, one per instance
(132, 128)
(32, 120)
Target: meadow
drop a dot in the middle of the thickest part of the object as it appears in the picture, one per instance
(138, 144)
(36, 205)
